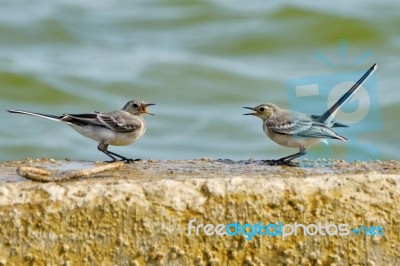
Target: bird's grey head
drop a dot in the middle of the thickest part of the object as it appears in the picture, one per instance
(263, 111)
(137, 107)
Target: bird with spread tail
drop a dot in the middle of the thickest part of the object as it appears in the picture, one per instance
(118, 128)
(297, 130)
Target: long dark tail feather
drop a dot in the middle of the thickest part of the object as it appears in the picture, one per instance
(51, 117)
(334, 123)
(328, 114)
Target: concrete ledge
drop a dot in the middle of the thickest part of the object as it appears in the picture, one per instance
(139, 215)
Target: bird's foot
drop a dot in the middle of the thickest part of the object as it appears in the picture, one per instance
(126, 160)
(279, 162)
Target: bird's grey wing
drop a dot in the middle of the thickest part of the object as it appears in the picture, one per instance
(83, 119)
(320, 130)
(300, 125)
(289, 123)
(120, 121)
(117, 121)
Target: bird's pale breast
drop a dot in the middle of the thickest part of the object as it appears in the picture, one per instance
(291, 141)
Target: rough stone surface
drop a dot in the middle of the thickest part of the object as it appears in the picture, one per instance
(139, 215)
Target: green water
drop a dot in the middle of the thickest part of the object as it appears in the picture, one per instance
(199, 61)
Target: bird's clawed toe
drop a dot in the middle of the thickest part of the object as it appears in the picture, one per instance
(279, 162)
(126, 160)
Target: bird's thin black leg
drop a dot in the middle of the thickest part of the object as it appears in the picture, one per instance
(123, 158)
(103, 148)
(288, 159)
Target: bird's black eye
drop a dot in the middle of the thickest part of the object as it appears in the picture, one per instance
(262, 109)
(135, 105)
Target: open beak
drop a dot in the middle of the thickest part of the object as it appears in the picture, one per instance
(144, 109)
(250, 108)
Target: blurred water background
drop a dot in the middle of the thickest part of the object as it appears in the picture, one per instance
(199, 61)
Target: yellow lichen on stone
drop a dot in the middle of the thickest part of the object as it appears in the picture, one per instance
(139, 215)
